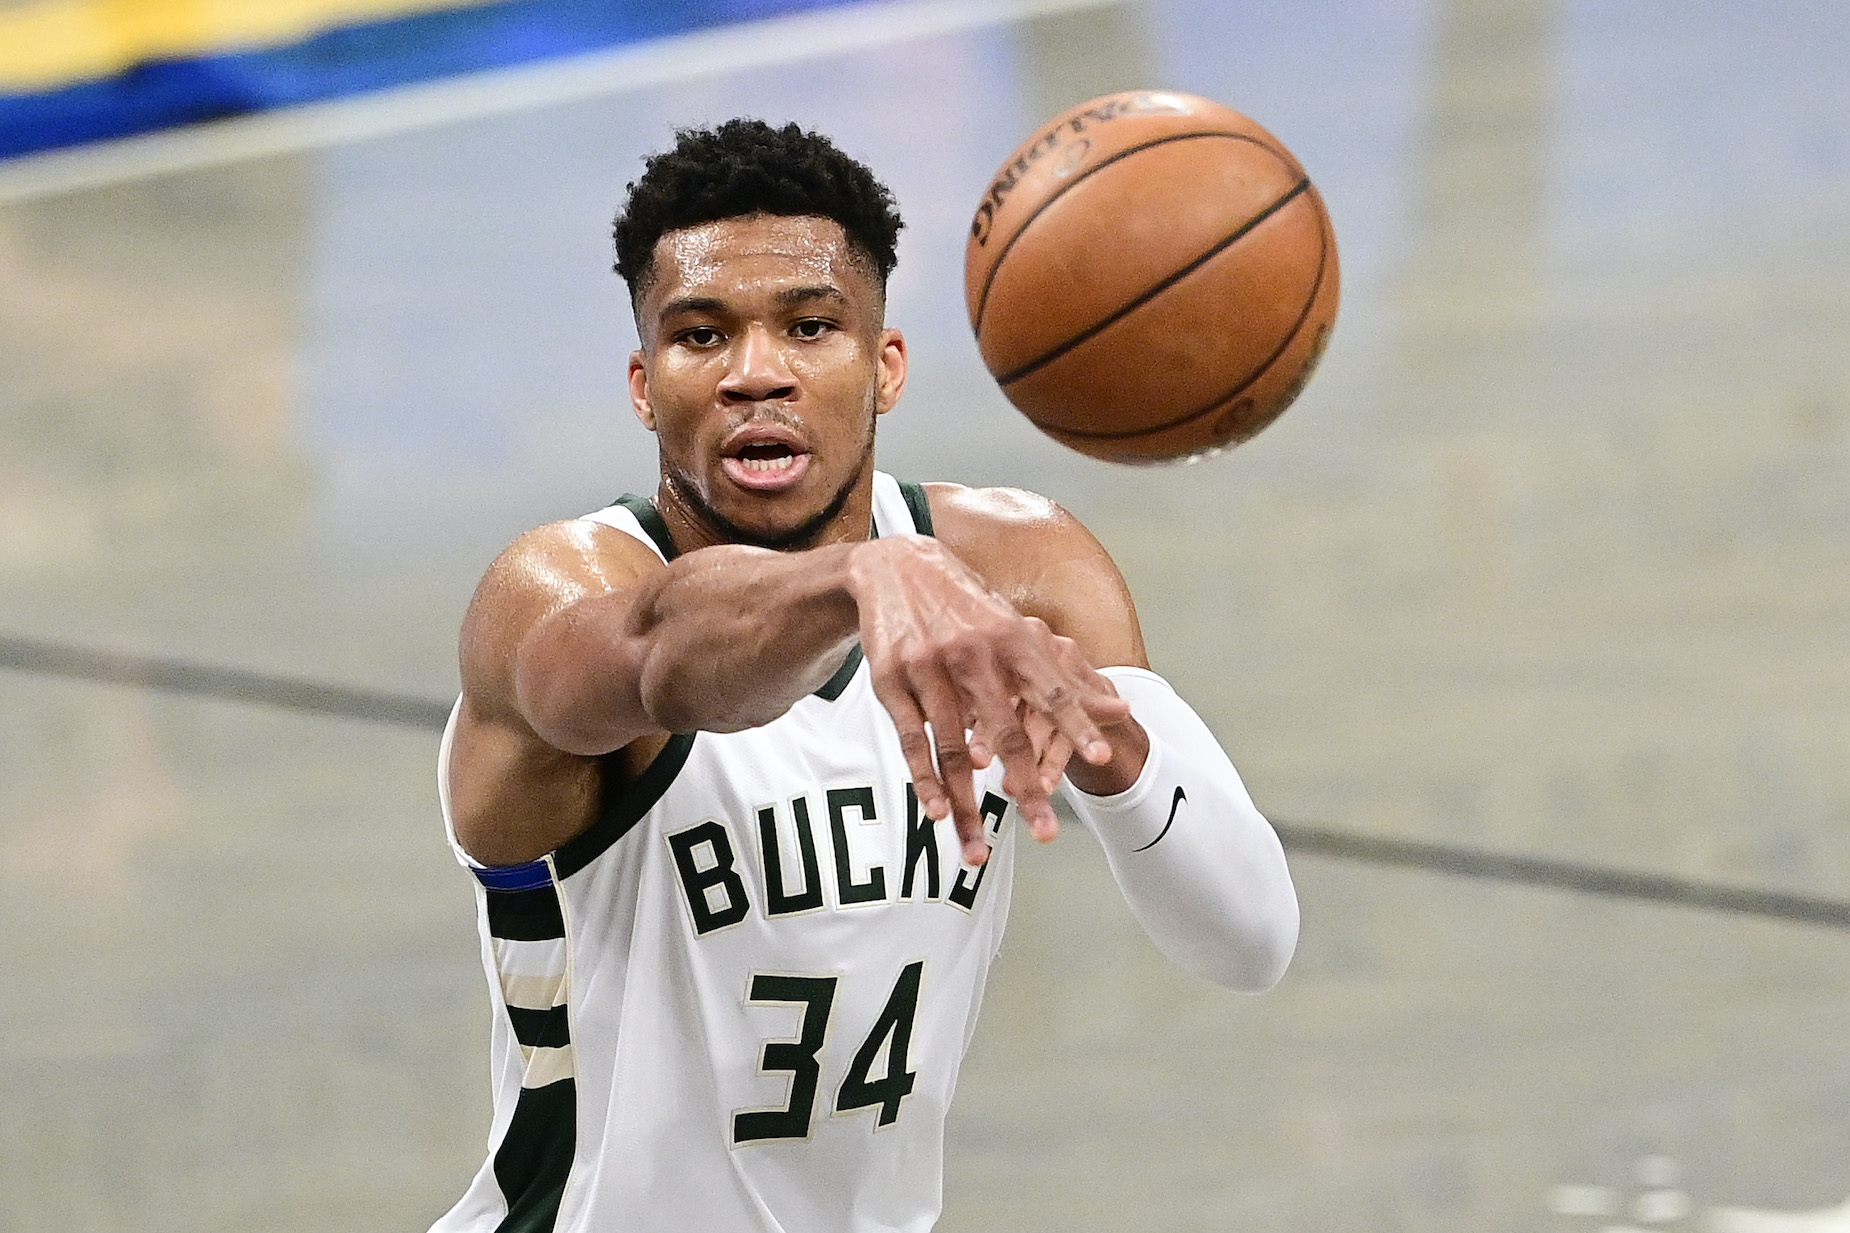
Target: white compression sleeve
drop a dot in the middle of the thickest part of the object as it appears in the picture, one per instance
(1201, 868)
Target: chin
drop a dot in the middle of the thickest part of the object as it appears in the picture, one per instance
(792, 518)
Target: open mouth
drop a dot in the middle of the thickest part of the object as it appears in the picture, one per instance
(767, 458)
(766, 465)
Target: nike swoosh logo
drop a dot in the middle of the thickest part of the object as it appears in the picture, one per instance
(1174, 804)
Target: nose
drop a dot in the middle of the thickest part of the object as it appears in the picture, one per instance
(757, 372)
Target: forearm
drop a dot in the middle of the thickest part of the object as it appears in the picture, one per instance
(1202, 870)
(735, 635)
(724, 638)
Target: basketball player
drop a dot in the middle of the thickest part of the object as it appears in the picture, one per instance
(738, 769)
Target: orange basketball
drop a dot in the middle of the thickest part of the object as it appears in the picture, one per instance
(1151, 277)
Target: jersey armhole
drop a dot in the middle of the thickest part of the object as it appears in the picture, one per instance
(620, 810)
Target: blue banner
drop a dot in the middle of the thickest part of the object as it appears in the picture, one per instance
(346, 60)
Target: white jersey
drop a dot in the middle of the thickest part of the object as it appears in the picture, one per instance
(739, 1001)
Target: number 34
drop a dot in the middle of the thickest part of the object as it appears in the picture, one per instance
(891, 1034)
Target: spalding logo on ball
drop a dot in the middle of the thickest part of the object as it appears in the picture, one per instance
(1151, 277)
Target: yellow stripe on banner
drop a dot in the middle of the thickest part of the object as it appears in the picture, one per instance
(45, 44)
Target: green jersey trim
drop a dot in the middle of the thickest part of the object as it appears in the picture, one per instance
(917, 504)
(832, 688)
(622, 809)
(652, 522)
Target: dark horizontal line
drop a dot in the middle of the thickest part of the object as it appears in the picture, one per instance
(1466, 862)
(178, 676)
(48, 658)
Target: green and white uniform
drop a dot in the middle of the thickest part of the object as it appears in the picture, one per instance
(739, 1001)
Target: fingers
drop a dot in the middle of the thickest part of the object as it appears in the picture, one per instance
(972, 842)
(950, 728)
(967, 689)
(956, 769)
(940, 759)
(957, 765)
(1053, 762)
(1031, 784)
(1021, 754)
(1074, 698)
(989, 707)
(914, 746)
(1036, 809)
(968, 680)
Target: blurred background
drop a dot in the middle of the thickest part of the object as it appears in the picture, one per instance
(305, 313)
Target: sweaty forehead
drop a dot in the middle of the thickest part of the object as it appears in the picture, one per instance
(736, 254)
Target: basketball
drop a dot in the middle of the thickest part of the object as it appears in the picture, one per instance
(1151, 277)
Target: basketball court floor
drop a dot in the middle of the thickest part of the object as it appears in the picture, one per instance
(1530, 623)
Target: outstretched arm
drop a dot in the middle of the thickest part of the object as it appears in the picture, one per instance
(580, 642)
(1201, 869)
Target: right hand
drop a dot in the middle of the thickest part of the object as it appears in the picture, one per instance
(946, 651)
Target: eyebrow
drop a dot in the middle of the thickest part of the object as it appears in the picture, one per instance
(692, 304)
(796, 295)
(787, 298)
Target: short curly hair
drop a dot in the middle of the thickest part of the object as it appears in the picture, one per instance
(748, 167)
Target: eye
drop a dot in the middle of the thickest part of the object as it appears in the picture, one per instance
(812, 327)
(701, 336)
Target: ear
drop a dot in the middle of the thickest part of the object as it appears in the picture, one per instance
(890, 380)
(639, 390)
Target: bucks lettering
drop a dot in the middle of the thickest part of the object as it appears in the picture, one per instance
(817, 852)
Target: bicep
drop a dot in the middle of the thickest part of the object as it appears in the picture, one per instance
(547, 619)
(517, 789)
(512, 796)
(1080, 593)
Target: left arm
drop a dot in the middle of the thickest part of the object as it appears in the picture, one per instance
(1202, 870)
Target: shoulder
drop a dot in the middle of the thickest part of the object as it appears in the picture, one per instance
(543, 571)
(956, 508)
(1044, 561)
(555, 564)
(575, 544)
(1011, 530)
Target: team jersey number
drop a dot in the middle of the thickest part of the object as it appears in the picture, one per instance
(887, 1044)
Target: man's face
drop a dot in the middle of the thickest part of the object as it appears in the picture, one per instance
(763, 364)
